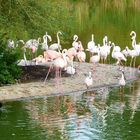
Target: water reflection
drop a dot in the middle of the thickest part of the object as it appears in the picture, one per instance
(105, 114)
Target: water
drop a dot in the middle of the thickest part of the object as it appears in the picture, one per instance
(104, 115)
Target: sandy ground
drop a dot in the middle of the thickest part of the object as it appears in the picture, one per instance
(103, 75)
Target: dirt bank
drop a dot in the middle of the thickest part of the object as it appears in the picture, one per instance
(104, 75)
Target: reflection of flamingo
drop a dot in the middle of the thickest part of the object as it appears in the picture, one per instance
(134, 101)
(56, 46)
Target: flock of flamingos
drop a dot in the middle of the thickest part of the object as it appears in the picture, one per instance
(63, 59)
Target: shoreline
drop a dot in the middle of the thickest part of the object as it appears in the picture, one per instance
(104, 76)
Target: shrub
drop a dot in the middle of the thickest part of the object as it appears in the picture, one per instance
(9, 70)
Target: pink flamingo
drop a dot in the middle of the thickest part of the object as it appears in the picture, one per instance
(75, 43)
(81, 55)
(95, 58)
(39, 59)
(71, 53)
(31, 44)
(51, 55)
(59, 63)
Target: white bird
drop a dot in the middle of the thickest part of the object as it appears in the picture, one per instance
(134, 44)
(125, 52)
(133, 54)
(116, 48)
(45, 41)
(95, 58)
(30, 44)
(122, 82)
(118, 55)
(104, 51)
(91, 46)
(75, 42)
(103, 54)
(89, 81)
(70, 69)
(10, 43)
(105, 41)
(56, 46)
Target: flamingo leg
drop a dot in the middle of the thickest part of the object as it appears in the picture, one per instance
(24, 56)
(131, 61)
(125, 63)
(121, 63)
(94, 67)
(47, 74)
(61, 85)
(56, 76)
(134, 62)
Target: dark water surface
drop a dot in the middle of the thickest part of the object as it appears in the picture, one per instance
(104, 115)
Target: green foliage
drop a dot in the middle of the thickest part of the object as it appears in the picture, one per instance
(31, 19)
(9, 71)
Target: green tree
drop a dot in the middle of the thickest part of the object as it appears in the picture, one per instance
(9, 71)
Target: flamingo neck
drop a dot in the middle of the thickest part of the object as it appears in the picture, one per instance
(58, 39)
(64, 58)
(133, 42)
(76, 38)
(38, 40)
(104, 41)
(45, 39)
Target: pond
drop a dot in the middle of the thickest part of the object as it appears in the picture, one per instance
(102, 115)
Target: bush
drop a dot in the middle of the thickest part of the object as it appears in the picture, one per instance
(9, 70)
